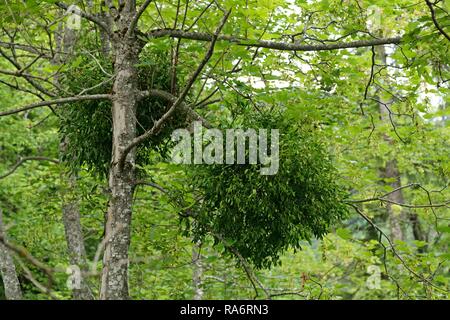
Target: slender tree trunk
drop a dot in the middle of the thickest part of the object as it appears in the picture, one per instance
(75, 245)
(8, 269)
(417, 227)
(395, 217)
(118, 223)
(197, 271)
(70, 208)
(390, 171)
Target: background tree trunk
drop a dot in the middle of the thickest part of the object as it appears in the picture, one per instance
(75, 245)
(390, 171)
(8, 270)
(197, 271)
(70, 209)
(395, 217)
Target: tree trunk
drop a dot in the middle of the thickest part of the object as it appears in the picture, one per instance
(395, 217)
(197, 271)
(70, 209)
(390, 171)
(8, 269)
(417, 228)
(118, 220)
(75, 246)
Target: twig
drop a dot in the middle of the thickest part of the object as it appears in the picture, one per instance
(56, 101)
(372, 68)
(433, 17)
(35, 282)
(22, 160)
(394, 251)
(22, 252)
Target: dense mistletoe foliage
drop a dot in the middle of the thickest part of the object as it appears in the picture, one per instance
(263, 215)
(89, 123)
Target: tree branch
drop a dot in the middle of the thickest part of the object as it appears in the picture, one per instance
(22, 161)
(137, 17)
(433, 17)
(36, 283)
(247, 268)
(415, 206)
(276, 45)
(56, 101)
(27, 77)
(366, 90)
(23, 253)
(26, 48)
(87, 16)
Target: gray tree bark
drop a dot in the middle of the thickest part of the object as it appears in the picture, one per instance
(121, 178)
(390, 171)
(70, 208)
(197, 272)
(8, 270)
(75, 246)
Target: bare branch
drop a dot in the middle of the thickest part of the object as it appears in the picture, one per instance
(394, 251)
(433, 17)
(56, 101)
(137, 17)
(247, 268)
(23, 253)
(160, 15)
(27, 77)
(276, 45)
(18, 88)
(87, 16)
(19, 74)
(26, 48)
(366, 91)
(36, 283)
(411, 185)
(151, 184)
(23, 160)
(200, 15)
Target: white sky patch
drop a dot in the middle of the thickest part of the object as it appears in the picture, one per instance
(259, 83)
(430, 98)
